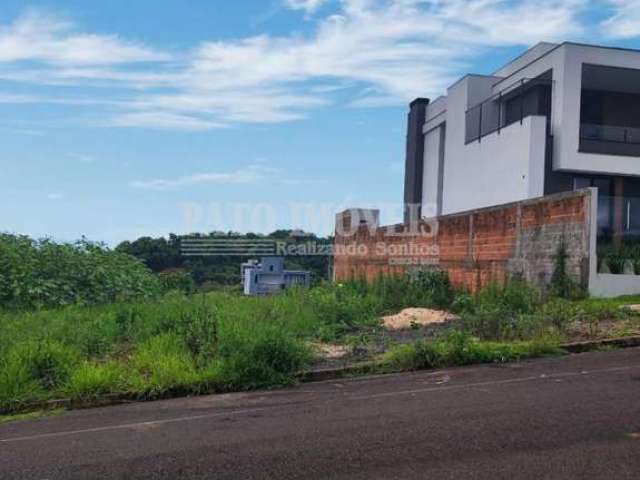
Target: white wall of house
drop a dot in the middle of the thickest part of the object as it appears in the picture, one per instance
(432, 172)
(569, 158)
(566, 62)
(504, 167)
(510, 166)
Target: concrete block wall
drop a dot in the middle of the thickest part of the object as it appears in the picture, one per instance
(478, 247)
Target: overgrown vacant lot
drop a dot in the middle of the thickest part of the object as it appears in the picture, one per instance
(221, 341)
(82, 322)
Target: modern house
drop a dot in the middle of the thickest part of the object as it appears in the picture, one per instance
(558, 118)
(269, 276)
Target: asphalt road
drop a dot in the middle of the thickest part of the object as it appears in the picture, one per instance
(575, 417)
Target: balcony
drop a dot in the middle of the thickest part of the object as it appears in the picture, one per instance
(610, 139)
(530, 96)
(609, 106)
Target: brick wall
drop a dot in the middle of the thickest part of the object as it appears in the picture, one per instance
(476, 247)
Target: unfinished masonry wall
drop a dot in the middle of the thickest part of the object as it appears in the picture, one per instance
(476, 247)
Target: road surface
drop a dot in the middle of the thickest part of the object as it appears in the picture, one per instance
(572, 417)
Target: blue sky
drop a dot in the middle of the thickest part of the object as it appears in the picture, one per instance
(128, 118)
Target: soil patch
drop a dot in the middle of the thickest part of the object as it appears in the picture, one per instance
(417, 317)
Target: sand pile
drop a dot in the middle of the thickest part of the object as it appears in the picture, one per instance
(416, 316)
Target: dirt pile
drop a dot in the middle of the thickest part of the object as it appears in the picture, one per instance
(410, 317)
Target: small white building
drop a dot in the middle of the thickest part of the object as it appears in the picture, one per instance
(557, 118)
(269, 276)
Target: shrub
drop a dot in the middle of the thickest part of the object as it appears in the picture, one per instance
(177, 280)
(92, 380)
(43, 274)
(419, 355)
(126, 318)
(562, 284)
(520, 297)
(198, 327)
(503, 312)
(463, 302)
(615, 259)
(436, 288)
(268, 357)
(394, 292)
(560, 313)
(341, 309)
(96, 336)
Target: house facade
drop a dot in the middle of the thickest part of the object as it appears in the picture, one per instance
(268, 276)
(558, 118)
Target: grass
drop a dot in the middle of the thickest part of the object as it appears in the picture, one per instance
(93, 380)
(221, 341)
(460, 348)
(186, 344)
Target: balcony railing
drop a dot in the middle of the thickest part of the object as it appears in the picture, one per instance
(610, 133)
(503, 109)
(609, 139)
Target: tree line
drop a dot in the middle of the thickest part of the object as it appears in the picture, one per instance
(163, 254)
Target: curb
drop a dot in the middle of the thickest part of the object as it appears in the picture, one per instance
(340, 372)
(374, 367)
(589, 345)
(363, 368)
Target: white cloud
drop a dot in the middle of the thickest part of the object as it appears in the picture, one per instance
(306, 5)
(401, 48)
(364, 53)
(625, 20)
(42, 37)
(162, 120)
(250, 174)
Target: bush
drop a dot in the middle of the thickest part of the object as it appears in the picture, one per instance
(44, 274)
(264, 358)
(506, 312)
(95, 337)
(560, 313)
(91, 380)
(198, 327)
(562, 284)
(341, 309)
(615, 259)
(177, 280)
(436, 288)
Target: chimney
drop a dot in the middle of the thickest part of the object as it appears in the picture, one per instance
(414, 161)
